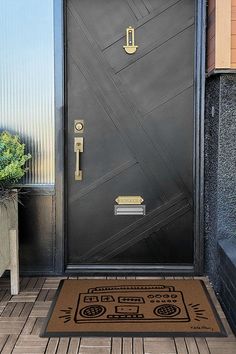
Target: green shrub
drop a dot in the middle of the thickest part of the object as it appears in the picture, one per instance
(12, 159)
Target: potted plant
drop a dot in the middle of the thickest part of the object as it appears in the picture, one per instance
(12, 169)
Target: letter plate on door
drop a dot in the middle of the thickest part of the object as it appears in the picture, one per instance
(129, 205)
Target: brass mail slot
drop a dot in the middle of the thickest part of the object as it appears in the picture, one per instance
(134, 200)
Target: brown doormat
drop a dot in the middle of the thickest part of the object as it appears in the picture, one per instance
(132, 308)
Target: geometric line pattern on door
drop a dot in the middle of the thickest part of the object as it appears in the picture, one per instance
(139, 8)
(119, 108)
(139, 230)
(119, 62)
(138, 112)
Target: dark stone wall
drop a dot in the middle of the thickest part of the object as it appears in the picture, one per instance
(220, 182)
(211, 174)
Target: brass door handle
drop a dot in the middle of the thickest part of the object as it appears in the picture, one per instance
(78, 147)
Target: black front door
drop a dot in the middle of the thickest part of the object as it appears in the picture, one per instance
(137, 112)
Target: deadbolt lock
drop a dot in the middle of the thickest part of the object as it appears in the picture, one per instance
(78, 126)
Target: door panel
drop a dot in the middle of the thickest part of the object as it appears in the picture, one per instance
(148, 91)
(138, 134)
(168, 130)
(150, 35)
(101, 132)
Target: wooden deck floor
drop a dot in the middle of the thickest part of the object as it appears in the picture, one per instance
(21, 318)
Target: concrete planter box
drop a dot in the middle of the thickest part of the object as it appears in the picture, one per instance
(9, 258)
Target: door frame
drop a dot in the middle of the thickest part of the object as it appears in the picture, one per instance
(60, 147)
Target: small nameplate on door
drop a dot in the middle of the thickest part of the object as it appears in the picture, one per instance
(137, 200)
(129, 210)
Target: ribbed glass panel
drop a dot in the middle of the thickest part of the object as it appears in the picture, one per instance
(27, 81)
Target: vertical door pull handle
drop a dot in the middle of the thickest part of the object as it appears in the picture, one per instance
(78, 147)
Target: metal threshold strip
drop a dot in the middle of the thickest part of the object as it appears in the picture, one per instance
(136, 269)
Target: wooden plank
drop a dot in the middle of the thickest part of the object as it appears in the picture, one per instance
(181, 346)
(127, 346)
(29, 325)
(40, 309)
(2, 307)
(27, 309)
(52, 346)
(23, 283)
(3, 302)
(6, 297)
(52, 283)
(40, 282)
(2, 293)
(223, 34)
(95, 342)
(74, 346)
(25, 296)
(32, 350)
(42, 295)
(18, 309)
(159, 345)
(233, 56)
(63, 346)
(116, 346)
(138, 346)
(32, 283)
(217, 347)
(10, 343)
(28, 340)
(38, 326)
(30, 344)
(8, 309)
(50, 295)
(11, 325)
(99, 350)
(202, 346)
(233, 42)
(233, 27)
(89, 350)
(3, 339)
(94, 345)
(233, 13)
(191, 345)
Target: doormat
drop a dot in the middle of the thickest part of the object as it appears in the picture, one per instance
(132, 308)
